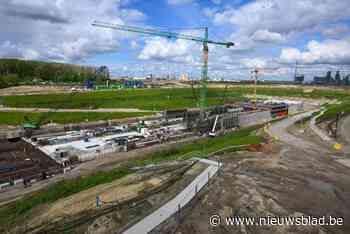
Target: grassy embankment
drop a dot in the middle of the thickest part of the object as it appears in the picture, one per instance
(18, 210)
(17, 118)
(334, 109)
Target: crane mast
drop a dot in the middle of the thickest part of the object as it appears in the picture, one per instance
(255, 73)
(204, 79)
(205, 41)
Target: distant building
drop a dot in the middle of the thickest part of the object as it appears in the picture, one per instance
(299, 79)
(324, 80)
(320, 80)
(329, 80)
(329, 77)
(133, 84)
(337, 78)
(184, 77)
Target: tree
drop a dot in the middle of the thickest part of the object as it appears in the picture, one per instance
(29, 71)
(9, 80)
(102, 73)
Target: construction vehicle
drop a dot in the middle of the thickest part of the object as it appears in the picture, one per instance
(30, 125)
(34, 124)
(173, 35)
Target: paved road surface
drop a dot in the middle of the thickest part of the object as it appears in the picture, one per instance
(279, 131)
(153, 220)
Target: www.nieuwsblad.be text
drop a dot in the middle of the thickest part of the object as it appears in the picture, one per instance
(217, 220)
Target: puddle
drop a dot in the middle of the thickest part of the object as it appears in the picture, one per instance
(320, 185)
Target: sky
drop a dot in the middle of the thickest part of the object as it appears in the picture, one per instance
(272, 35)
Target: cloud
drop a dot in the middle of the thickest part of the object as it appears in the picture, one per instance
(283, 16)
(179, 2)
(134, 44)
(35, 10)
(336, 31)
(162, 49)
(336, 52)
(267, 37)
(209, 12)
(60, 30)
(253, 62)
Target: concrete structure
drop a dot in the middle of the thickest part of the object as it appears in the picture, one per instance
(88, 148)
(247, 119)
(293, 106)
(22, 163)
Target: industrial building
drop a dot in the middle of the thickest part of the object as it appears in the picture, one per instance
(329, 80)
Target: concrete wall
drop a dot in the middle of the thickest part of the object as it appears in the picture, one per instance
(101, 152)
(295, 108)
(253, 118)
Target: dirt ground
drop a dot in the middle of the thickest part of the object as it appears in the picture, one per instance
(71, 210)
(284, 181)
(345, 130)
(38, 89)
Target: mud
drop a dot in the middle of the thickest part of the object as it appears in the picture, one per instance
(287, 182)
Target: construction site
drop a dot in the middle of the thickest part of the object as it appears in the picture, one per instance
(190, 136)
(163, 173)
(61, 151)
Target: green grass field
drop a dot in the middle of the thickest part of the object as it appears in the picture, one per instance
(206, 146)
(333, 110)
(18, 118)
(20, 209)
(156, 99)
(151, 99)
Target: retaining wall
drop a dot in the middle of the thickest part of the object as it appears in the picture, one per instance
(253, 118)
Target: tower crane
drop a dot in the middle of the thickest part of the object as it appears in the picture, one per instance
(173, 35)
(255, 75)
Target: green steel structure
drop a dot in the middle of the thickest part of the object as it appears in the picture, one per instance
(205, 40)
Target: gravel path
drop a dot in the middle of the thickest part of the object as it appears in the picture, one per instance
(279, 131)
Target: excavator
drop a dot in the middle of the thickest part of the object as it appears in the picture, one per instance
(35, 124)
(30, 125)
